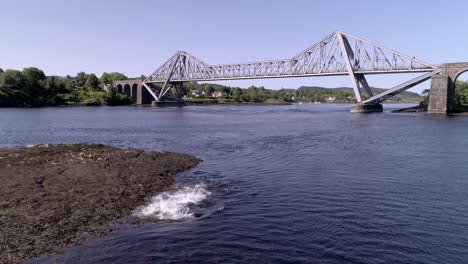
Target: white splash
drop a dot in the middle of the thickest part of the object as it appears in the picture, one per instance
(174, 205)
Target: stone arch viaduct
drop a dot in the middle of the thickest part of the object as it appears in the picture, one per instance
(134, 89)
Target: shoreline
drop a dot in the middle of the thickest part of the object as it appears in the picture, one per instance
(233, 103)
(417, 109)
(57, 196)
(413, 109)
(173, 104)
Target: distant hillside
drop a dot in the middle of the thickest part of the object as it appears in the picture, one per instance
(344, 94)
(302, 94)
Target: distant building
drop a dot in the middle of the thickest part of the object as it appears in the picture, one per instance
(330, 99)
(198, 93)
(219, 94)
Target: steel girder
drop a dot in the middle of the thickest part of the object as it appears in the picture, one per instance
(337, 54)
(400, 88)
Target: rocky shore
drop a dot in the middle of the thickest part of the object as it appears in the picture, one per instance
(418, 109)
(414, 109)
(56, 196)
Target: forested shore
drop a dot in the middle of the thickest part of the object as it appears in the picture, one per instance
(31, 87)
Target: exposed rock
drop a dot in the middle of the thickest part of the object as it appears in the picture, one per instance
(414, 109)
(54, 196)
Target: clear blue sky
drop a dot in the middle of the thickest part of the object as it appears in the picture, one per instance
(135, 37)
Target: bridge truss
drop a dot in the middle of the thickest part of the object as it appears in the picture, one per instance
(337, 54)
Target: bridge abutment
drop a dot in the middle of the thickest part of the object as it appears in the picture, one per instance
(440, 97)
(366, 108)
(442, 92)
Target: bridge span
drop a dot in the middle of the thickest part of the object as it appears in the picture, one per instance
(338, 54)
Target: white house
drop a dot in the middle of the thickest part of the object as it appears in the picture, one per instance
(219, 94)
(198, 93)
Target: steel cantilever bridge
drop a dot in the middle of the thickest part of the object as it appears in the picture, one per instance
(338, 54)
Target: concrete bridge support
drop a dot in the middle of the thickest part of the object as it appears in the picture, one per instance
(366, 108)
(441, 95)
(442, 92)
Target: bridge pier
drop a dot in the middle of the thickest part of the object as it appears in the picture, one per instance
(366, 108)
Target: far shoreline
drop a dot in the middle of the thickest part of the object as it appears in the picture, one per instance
(418, 110)
(174, 104)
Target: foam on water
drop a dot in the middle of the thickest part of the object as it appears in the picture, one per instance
(174, 205)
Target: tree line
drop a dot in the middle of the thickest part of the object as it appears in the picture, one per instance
(31, 87)
(252, 94)
(302, 94)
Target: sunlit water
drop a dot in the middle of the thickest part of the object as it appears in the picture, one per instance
(279, 184)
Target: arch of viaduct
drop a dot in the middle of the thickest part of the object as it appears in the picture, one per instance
(135, 90)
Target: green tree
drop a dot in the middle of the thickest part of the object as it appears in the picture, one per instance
(13, 79)
(107, 78)
(236, 94)
(1, 70)
(113, 98)
(92, 83)
(461, 95)
(91, 98)
(37, 94)
(81, 78)
(59, 91)
(425, 92)
(14, 88)
(34, 74)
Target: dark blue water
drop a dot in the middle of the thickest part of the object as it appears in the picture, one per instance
(289, 184)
